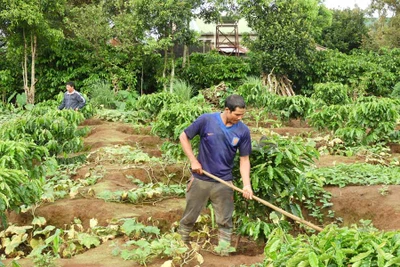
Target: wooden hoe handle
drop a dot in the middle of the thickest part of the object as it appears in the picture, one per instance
(266, 203)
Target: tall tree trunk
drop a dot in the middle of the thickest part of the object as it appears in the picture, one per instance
(185, 54)
(29, 89)
(142, 80)
(171, 81)
(31, 95)
(164, 74)
(25, 65)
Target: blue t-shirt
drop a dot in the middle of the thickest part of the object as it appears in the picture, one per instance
(218, 144)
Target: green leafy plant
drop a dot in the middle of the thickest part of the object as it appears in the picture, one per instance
(44, 243)
(255, 93)
(292, 107)
(372, 120)
(59, 184)
(332, 117)
(16, 189)
(143, 193)
(183, 90)
(331, 93)
(224, 248)
(208, 69)
(101, 95)
(396, 91)
(131, 116)
(56, 130)
(358, 174)
(143, 248)
(261, 117)
(365, 72)
(356, 245)
(384, 190)
(278, 176)
(172, 120)
(45, 260)
(23, 167)
(152, 104)
(24, 156)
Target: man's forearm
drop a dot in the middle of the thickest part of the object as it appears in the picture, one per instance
(245, 170)
(187, 147)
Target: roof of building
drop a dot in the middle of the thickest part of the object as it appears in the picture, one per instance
(209, 28)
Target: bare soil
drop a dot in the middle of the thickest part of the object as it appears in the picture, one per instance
(351, 203)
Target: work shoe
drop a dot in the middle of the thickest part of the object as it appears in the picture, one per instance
(185, 237)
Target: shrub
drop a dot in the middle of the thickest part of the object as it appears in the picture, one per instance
(278, 176)
(183, 90)
(101, 95)
(208, 69)
(396, 91)
(331, 93)
(54, 129)
(255, 93)
(172, 120)
(292, 107)
(152, 104)
(371, 120)
(332, 117)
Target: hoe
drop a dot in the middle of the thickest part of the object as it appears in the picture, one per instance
(262, 201)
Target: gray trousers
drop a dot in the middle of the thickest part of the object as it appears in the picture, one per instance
(197, 195)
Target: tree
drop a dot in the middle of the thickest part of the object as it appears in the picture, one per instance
(29, 25)
(284, 42)
(385, 31)
(347, 31)
(169, 25)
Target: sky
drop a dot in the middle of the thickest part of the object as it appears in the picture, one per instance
(342, 4)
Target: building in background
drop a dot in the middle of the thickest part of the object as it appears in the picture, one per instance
(226, 37)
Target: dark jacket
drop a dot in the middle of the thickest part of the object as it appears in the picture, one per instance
(73, 101)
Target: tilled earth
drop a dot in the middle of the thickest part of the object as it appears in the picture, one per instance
(351, 203)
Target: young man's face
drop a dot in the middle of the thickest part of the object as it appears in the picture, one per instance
(235, 116)
(70, 88)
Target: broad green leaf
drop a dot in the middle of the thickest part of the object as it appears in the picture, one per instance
(313, 259)
(360, 256)
(88, 240)
(39, 221)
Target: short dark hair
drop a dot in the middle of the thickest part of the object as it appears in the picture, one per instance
(72, 84)
(234, 101)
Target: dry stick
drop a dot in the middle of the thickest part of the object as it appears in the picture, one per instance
(262, 201)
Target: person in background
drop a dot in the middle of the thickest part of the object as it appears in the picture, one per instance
(221, 135)
(72, 98)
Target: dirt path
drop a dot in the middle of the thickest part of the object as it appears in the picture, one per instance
(351, 203)
(85, 207)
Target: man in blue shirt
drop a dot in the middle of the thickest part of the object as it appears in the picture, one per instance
(221, 135)
(72, 98)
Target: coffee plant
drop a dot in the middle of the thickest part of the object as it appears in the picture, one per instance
(358, 174)
(152, 104)
(331, 93)
(173, 119)
(16, 189)
(278, 176)
(208, 69)
(292, 107)
(56, 130)
(348, 246)
(23, 156)
(331, 118)
(370, 121)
